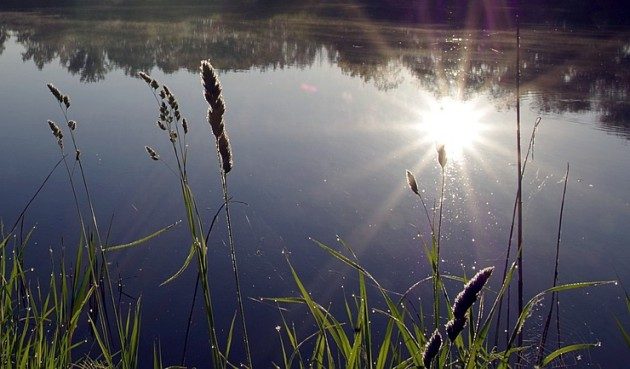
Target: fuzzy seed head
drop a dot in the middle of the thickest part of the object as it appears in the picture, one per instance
(172, 136)
(154, 84)
(145, 77)
(66, 101)
(55, 129)
(467, 297)
(225, 151)
(55, 91)
(432, 349)
(185, 125)
(454, 327)
(215, 118)
(442, 156)
(411, 181)
(72, 125)
(152, 153)
(211, 84)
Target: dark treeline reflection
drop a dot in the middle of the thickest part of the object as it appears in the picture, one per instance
(563, 71)
(567, 12)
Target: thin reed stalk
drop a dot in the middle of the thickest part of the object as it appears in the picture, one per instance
(520, 175)
(442, 159)
(554, 298)
(64, 105)
(214, 97)
(530, 149)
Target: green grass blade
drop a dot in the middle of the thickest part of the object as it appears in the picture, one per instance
(142, 240)
(384, 350)
(228, 344)
(561, 351)
(624, 333)
(532, 302)
(191, 254)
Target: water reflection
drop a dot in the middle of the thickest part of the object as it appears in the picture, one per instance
(563, 71)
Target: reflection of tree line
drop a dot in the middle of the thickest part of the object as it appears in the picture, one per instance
(564, 72)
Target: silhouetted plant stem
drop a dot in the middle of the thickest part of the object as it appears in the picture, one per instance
(530, 149)
(239, 296)
(437, 288)
(520, 176)
(554, 296)
(192, 308)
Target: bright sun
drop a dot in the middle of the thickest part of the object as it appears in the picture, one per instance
(453, 123)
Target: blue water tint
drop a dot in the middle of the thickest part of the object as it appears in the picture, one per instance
(324, 120)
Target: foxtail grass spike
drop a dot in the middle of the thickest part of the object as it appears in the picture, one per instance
(225, 150)
(442, 156)
(55, 91)
(468, 295)
(211, 84)
(454, 327)
(433, 348)
(411, 180)
(215, 118)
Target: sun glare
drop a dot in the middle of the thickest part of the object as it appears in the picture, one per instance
(453, 123)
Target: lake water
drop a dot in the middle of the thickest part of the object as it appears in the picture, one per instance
(325, 115)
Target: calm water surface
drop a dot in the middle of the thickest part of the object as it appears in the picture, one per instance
(324, 116)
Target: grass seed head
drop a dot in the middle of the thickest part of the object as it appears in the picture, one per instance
(442, 156)
(145, 77)
(467, 297)
(454, 327)
(185, 125)
(152, 153)
(211, 85)
(172, 136)
(72, 125)
(225, 151)
(55, 129)
(66, 101)
(215, 118)
(411, 181)
(55, 91)
(432, 349)
(154, 84)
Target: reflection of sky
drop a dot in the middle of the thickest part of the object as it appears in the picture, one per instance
(319, 153)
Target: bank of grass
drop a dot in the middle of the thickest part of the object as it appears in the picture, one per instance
(40, 322)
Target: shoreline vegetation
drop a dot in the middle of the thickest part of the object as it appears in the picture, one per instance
(40, 323)
(560, 77)
(603, 13)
